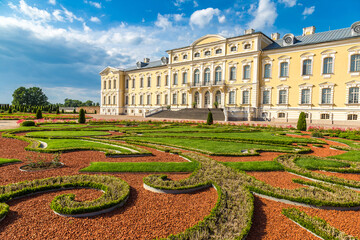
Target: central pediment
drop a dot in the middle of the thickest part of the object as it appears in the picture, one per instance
(208, 39)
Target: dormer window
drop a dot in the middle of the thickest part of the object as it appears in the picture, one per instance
(185, 57)
(233, 49)
(247, 46)
(218, 51)
(288, 39)
(197, 55)
(176, 58)
(207, 53)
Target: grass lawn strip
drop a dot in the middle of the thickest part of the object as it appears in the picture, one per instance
(113, 145)
(4, 161)
(319, 164)
(141, 167)
(116, 191)
(255, 166)
(317, 226)
(68, 134)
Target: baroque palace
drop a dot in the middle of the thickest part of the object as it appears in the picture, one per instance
(251, 77)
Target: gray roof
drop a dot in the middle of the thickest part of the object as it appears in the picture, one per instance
(153, 64)
(321, 37)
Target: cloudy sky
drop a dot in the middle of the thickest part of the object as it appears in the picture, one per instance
(62, 45)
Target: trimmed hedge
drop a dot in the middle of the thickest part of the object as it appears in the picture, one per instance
(28, 124)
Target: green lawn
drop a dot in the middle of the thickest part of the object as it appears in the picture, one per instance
(315, 163)
(141, 167)
(50, 134)
(350, 156)
(218, 147)
(6, 160)
(351, 143)
(255, 166)
(54, 144)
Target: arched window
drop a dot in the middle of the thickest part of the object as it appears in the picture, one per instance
(218, 75)
(233, 49)
(104, 102)
(267, 70)
(149, 82)
(109, 84)
(197, 55)
(355, 63)
(196, 77)
(207, 76)
(218, 97)
(175, 58)
(233, 73)
(114, 100)
(185, 57)
(197, 98)
(175, 80)
(109, 100)
(184, 77)
(207, 98)
(328, 65)
(307, 67)
(104, 84)
(207, 53)
(218, 51)
(141, 82)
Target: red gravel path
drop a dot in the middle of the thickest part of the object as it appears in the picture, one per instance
(147, 215)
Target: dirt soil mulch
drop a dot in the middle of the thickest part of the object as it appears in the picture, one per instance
(147, 215)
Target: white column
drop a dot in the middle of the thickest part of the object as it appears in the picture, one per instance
(222, 99)
(191, 75)
(201, 101)
(255, 89)
(211, 99)
(189, 100)
(201, 74)
(212, 74)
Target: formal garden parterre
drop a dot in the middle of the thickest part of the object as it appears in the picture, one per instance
(218, 181)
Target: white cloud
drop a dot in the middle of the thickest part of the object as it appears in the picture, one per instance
(94, 4)
(71, 16)
(308, 11)
(95, 19)
(203, 17)
(57, 15)
(178, 17)
(163, 21)
(53, 2)
(288, 3)
(178, 3)
(32, 12)
(86, 28)
(195, 4)
(222, 19)
(264, 16)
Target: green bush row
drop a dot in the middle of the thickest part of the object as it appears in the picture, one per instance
(115, 192)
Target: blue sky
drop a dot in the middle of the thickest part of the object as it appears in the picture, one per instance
(62, 45)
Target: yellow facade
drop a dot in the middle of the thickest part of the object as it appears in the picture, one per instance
(251, 76)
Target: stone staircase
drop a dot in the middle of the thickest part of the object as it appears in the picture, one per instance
(191, 113)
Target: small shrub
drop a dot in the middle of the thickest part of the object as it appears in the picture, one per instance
(62, 111)
(216, 104)
(301, 124)
(194, 104)
(95, 112)
(82, 116)
(28, 124)
(317, 134)
(168, 107)
(210, 119)
(39, 114)
(74, 111)
(57, 111)
(10, 110)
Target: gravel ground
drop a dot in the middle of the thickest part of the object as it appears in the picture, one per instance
(147, 215)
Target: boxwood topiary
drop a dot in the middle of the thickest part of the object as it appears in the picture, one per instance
(301, 124)
(28, 124)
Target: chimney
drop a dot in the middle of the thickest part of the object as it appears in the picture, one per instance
(308, 30)
(249, 31)
(146, 60)
(275, 36)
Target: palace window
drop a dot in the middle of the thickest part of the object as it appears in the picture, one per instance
(232, 97)
(324, 116)
(141, 100)
(207, 53)
(282, 96)
(352, 117)
(126, 83)
(328, 65)
(233, 73)
(104, 84)
(175, 80)
(166, 80)
(109, 100)
(207, 76)
(174, 98)
(266, 97)
(353, 95)
(133, 100)
(114, 100)
(218, 51)
(207, 98)
(218, 97)
(126, 100)
(148, 99)
(141, 82)
(247, 46)
(305, 96)
(104, 101)
(114, 84)
(281, 115)
(306, 67)
(196, 77)
(133, 83)
(175, 58)
(158, 99)
(326, 96)
(233, 49)
(185, 57)
(267, 70)
(149, 82)
(284, 69)
(158, 82)
(355, 63)
(197, 98)
(166, 99)
(197, 55)
(183, 98)
(218, 73)
(184, 77)
(245, 97)
(246, 72)
(109, 84)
